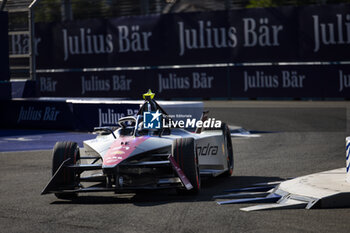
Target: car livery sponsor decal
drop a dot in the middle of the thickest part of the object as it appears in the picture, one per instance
(121, 149)
(207, 149)
(180, 173)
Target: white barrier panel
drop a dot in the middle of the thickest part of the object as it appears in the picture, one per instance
(347, 159)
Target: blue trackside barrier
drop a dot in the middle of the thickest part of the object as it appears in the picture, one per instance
(78, 113)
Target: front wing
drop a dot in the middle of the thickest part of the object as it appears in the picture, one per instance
(104, 185)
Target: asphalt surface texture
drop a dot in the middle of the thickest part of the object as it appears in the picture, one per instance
(296, 138)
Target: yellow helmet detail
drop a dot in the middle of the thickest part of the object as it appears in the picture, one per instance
(149, 94)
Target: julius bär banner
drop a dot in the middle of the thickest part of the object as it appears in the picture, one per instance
(320, 81)
(283, 34)
(324, 33)
(227, 38)
(58, 114)
(207, 82)
(168, 83)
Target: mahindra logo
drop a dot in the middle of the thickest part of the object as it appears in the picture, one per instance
(207, 150)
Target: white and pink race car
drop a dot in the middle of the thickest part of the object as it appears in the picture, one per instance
(142, 155)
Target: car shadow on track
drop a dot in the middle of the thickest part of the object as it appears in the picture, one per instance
(210, 187)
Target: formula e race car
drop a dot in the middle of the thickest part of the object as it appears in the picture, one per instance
(142, 154)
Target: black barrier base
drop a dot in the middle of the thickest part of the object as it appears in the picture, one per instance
(5, 90)
(23, 89)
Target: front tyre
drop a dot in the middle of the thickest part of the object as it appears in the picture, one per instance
(229, 150)
(68, 178)
(186, 157)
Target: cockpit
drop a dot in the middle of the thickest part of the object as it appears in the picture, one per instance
(139, 126)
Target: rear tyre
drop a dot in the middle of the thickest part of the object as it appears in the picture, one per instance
(68, 178)
(229, 150)
(186, 157)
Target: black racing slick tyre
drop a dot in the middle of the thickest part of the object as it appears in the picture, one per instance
(229, 151)
(67, 178)
(186, 157)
